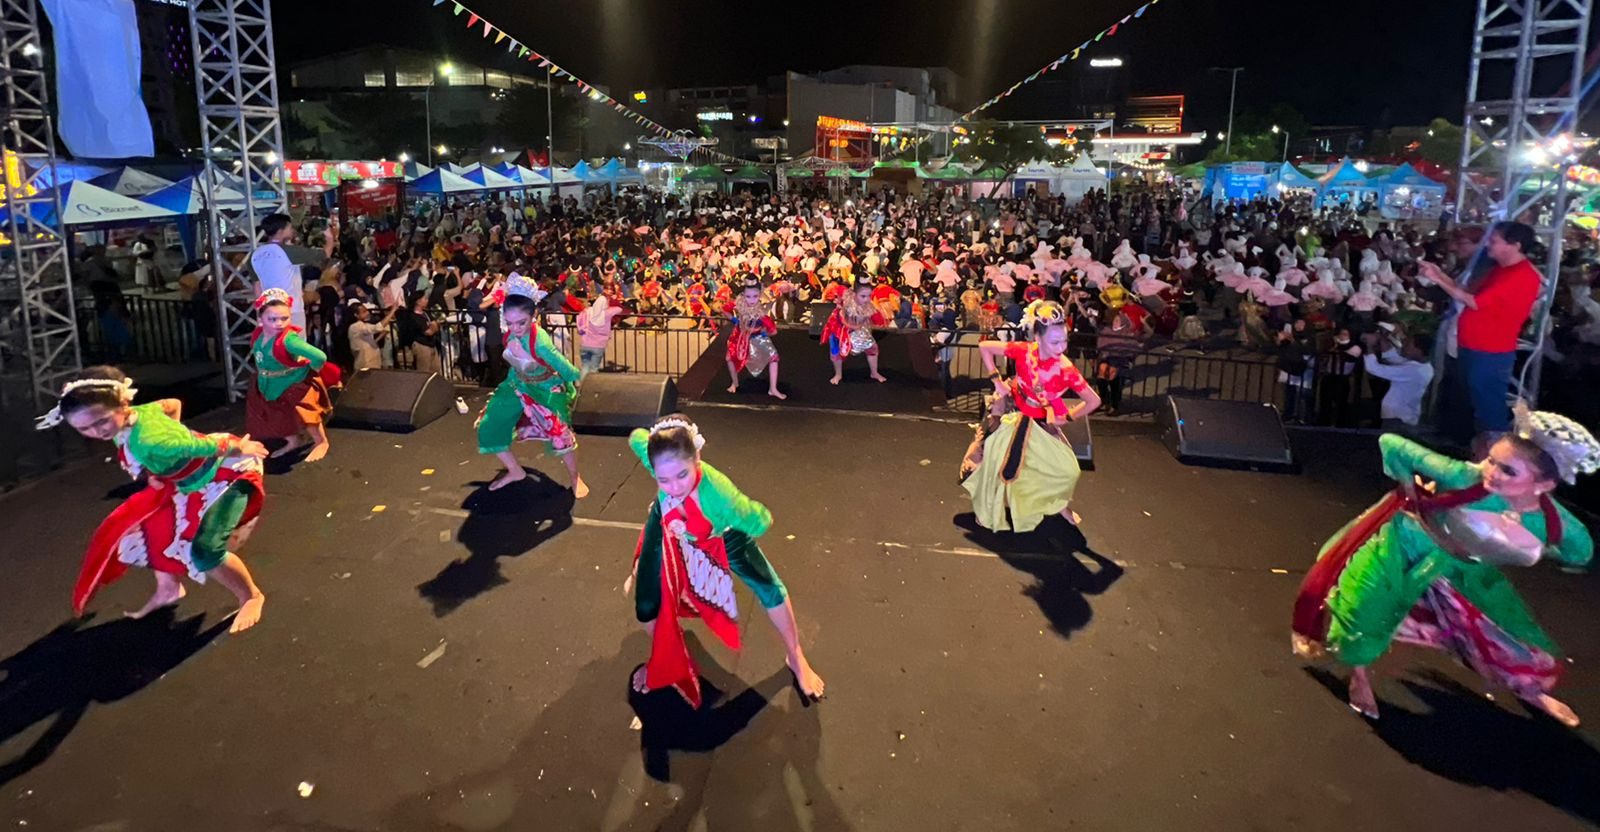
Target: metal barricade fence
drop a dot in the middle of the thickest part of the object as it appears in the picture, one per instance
(1150, 372)
(144, 330)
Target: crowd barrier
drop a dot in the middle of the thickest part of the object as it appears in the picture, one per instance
(166, 331)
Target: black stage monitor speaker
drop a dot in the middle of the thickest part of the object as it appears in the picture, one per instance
(1082, 440)
(394, 400)
(620, 402)
(819, 317)
(1225, 434)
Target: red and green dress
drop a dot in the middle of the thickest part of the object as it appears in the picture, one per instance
(534, 402)
(1029, 470)
(1383, 579)
(198, 497)
(694, 579)
(291, 389)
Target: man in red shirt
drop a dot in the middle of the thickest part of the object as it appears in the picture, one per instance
(1496, 309)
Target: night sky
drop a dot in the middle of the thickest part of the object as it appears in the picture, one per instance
(1364, 62)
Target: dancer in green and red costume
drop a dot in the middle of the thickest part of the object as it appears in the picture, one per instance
(750, 341)
(535, 400)
(202, 494)
(700, 534)
(290, 397)
(1399, 573)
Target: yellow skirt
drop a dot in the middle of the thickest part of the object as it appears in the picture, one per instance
(1028, 471)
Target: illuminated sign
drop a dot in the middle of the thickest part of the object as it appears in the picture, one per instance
(831, 123)
(331, 173)
(641, 97)
(1105, 62)
(715, 115)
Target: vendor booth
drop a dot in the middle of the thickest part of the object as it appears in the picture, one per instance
(1238, 180)
(1406, 194)
(1346, 185)
(1288, 179)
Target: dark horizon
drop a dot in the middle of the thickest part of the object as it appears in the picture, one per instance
(1363, 68)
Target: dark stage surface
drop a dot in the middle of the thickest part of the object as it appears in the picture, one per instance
(426, 668)
(904, 358)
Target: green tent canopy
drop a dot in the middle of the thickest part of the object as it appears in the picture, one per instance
(705, 173)
(1194, 171)
(990, 174)
(750, 173)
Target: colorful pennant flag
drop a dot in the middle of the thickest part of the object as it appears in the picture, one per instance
(472, 21)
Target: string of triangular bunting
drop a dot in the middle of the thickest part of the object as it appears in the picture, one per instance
(523, 52)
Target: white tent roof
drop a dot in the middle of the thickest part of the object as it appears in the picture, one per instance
(1083, 164)
(187, 196)
(442, 181)
(83, 203)
(531, 177)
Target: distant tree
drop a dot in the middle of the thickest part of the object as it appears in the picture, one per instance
(992, 144)
(1442, 144)
(381, 124)
(522, 120)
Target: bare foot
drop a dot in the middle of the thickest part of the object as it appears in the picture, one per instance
(810, 683)
(510, 476)
(834, 380)
(160, 599)
(1558, 710)
(1361, 699)
(318, 452)
(580, 489)
(776, 395)
(734, 387)
(295, 444)
(640, 680)
(249, 614)
(878, 377)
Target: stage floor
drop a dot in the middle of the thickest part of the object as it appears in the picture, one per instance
(434, 657)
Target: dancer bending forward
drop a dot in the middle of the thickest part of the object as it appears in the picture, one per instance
(1025, 466)
(849, 330)
(1386, 578)
(201, 497)
(750, 342)
(290, 398)
(535, 400)
(700, 533)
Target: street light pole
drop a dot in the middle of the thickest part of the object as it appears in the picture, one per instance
(1233, 89)
(427, 109)
(1286, 146)
(549, 137)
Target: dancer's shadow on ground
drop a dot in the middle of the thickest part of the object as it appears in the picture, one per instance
(59, 676)
(571, 770)
(1050, 553)
(499, 524)
(1462, 736)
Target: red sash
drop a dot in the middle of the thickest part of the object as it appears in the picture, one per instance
(330, 373)
(696, 582)
(1311, 605)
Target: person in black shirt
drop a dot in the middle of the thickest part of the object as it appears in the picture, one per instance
(420, 333)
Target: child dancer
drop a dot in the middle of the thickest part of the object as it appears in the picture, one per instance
(535, 400)
(290, 397)
(1026, 467)
(849, 330)
(201, 498)
(700, 533)
(750, 342)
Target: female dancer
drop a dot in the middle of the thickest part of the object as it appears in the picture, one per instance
(201, 497)
(1031, 479)
(535, 400)
(849, 330)
(1387, 577)
(750, 342)
(700, 533)
(290, 397)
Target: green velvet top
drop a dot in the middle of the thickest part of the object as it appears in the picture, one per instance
(272, 376)
(537, 379)
(720, 500)
(161, 445)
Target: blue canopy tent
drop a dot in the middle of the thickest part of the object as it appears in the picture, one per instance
(85, 205)
(1346, 185)
(131, 182)
(1405, 193)
(187, 198)
(486, 179)
(531, 178)
(416, 170)
(1290, 178)
(1239, 180)
(441, 182)
(615, 171)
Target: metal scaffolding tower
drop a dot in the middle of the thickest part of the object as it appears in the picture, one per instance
(235, 73)
(38, 320)
(1524, 86)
